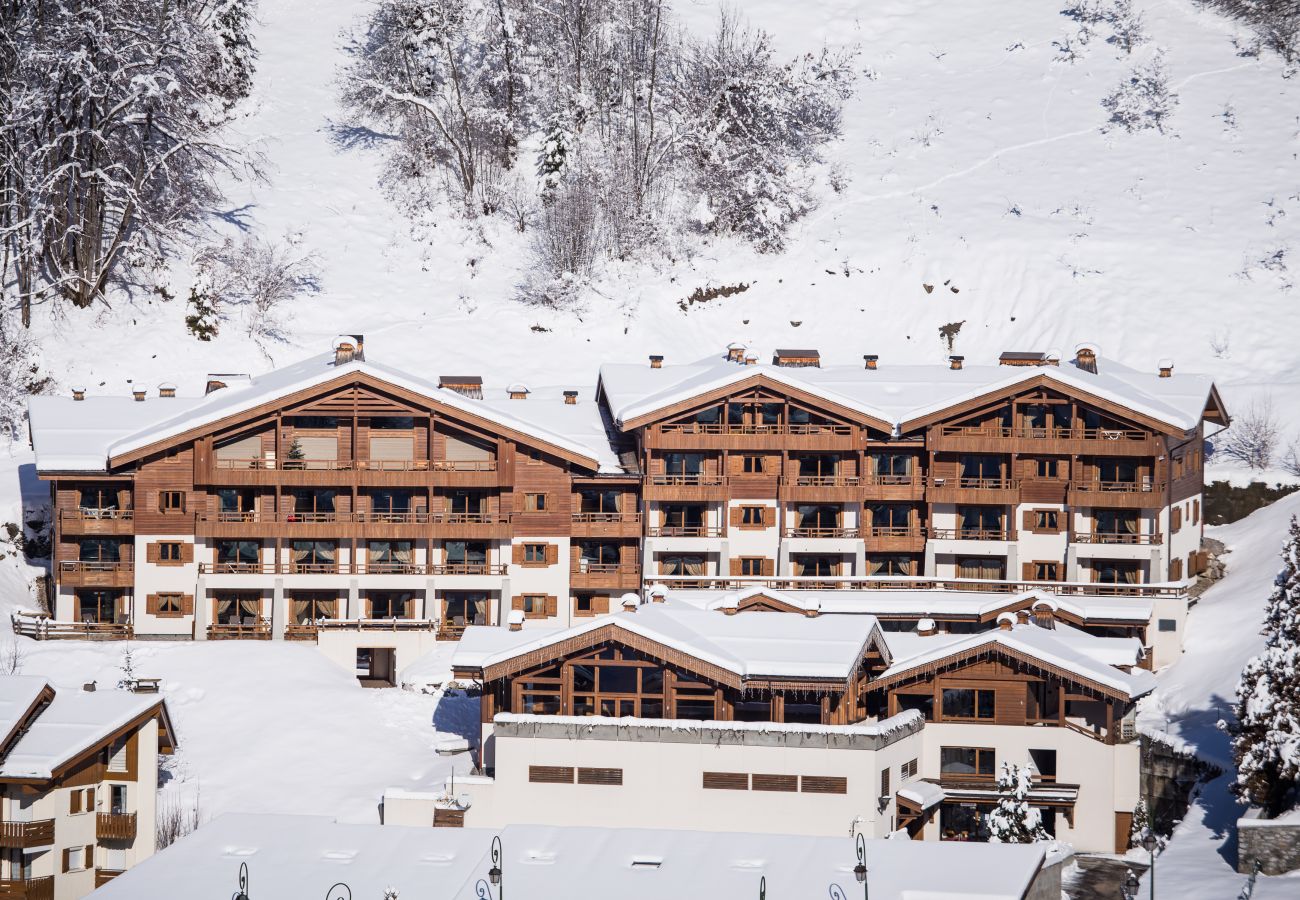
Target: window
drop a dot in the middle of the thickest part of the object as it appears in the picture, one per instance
(966, 762)
(1167, 625)
(987, 567)
(314, 556)
(980, 521)
(534, 554)
(907, 770)
(117, 799)
(1107, 571)
(534, 503)
(681, 565)
(1045, 571)
(77, 859)
(171, 501)
(534, 606)
(810, 566)
(597, 553)
(1047, 468)
(892, 467)
(390, 505)
(1047, 520)
(1044, 762)
(601, 502)
(751, 565)
(583, 605)
(683, 464)
(889, 565)
(102, 550)
(314, 422)
(968, 703)
(884, 782)
(752, 465)
(238, 553)
(169, 605)
(752, 517)
(81, 800)
(117, 761)
(392, 423)
(233, 503)
(169, 552)
(892, 516)
(981, 467)
(922, 702)
(389, 605)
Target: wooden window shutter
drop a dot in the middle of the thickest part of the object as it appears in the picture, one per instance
(1196, 511)
(518, 554)
(552, 605)
(769, 516)
(517, 601)
(88, 861)
(67, 859)
(735, 566)
(599, 605)
(552, 554)
(1176, 570)
(187, 553)
(152, 551)
(726, 781)
(769, 567)
(1028, 520)
(151, 604)
(74, 804)
(1176, 518)
(187, 605)
(824, 784)
(736, 515)
(1027, 571)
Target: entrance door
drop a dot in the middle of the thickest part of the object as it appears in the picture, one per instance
(377, 666)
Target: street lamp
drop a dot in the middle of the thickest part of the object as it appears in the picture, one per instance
(242, 893)
(482, 889)
(859, 872)
(1129, 889)
(1149, 844)
(339, 891)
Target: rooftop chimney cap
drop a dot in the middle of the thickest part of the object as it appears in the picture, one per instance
(1166, 368)
(1046, 603)
(78, 392)
(570, 397)
(926, 626)
(515, 619)
(658, 593)
(1006, 620)
(630, 601)
(954, 362)
(656, 361)
(1085, 356)
(518, 390)
(138, 393)
(729, 601)
(870, 360)
(1052, 355)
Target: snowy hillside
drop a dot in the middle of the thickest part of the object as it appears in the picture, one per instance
(974, 160)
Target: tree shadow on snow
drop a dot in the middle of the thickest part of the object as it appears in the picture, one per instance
(350, 137)
(457, 713)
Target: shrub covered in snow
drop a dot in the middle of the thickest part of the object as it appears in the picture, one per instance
(1013, 820)
(1143, 99)
(1266, 735)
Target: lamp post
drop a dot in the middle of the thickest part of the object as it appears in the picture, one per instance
(1149, 844)
(339, 891)
(859, 872)
(242, 893)
(1129, 889)
(762, 888)
(483, 890)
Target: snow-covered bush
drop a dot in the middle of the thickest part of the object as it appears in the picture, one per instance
(1253, 436)
(1276, 22)
(1127, 30)
(108, 137)
(20, 375)
(1143, 99)
(255, 278)
(1266, 734)
(1013, 820)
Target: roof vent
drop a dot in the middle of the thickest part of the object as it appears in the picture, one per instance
(78, 392)
(345, 350)
(515, 620)
(219, 380)
(658, 593)
(518, 391)
(870, 360)
(1166, 368)
(166, 389)
(465, 385)
(1052, 358)
(954, 362)
(1085, 357)
(736, 352)
(797, 359)
(570, 398)
(751, 360)
(1018, 358)
(1006, 620)
(630, 602)
(926, 627)
(656, 362)
(138, 394)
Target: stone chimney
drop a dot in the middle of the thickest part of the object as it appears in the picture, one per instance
(78, 392)
(166, 389)
(570, 398)
(1085, 358)
(1166, 368)
(954, 362)
(518, 391)
(870, 359)
(656, 361)
(344, 350)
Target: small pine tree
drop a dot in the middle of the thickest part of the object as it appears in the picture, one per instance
(1014, 821)
(203, 319)
(127, 681)
(1266, 735)
(295, 454)
(1141, 825)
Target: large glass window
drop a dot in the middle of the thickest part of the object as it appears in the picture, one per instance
(237, 608)
(389, 556)
(98, 607)
(238, 553)
(966, 762)
(390, 604)
(981, 467)
(593, 501)
(967, 703)
(978, 521)
(895, 465)
(681, 564)
(1117, 471)
(922, 702)
(318, 556)
(597, 553)
(100, 550)
(392, 505)
(683, 517)
(467, 553)
(891, 515)
(683, 464)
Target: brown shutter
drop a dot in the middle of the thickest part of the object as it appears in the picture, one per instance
(1027, 571)
(518, 552)
(737, 516)
(769, 567)
(187, 605)
(187, 553)
(1196, 511)
(552, 605)
(1028, 520)
(552, 554)
(74, 805)
(599, 605)
(67, 859)
(735, 566)
(1176, 518)
(769, 516)
(151, 604)
(88, 861)
(152, 553)
(517, 601)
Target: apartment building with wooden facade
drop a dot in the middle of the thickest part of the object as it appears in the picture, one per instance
(339, 499)
(78, 786)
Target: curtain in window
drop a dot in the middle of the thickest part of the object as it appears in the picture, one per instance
(480, 610)
(250, 608)
(1129, 525)
(402, 552)
(324, 552)
(694, 565)
(301, 550)
(225, 609)
(875, 566)
(1131, 575)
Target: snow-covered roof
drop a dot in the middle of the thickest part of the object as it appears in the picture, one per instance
(921, 603)
(73, 723)
(1089, 657)
(906, 721)
(82, 435)
(18, 694)
(904, 393)
(303, 856)
(924, 794)
(750, 646)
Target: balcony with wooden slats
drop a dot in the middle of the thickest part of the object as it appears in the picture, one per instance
(86, 520)
(115, 826)
(702, 486)
(1117, 494)
(606, 525)
(1046, 441)
(821, 488)
(77, 573)
(27, 888)
(611, 576)
(718, 436)
(893, 487)
(994, 491)
(903, 539)
(25, 835)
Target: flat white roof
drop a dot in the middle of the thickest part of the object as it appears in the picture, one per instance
(751, 645)
(303, 856)
(899, 394)
(74, 722)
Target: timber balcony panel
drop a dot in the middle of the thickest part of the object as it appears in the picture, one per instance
(1043, 490)
(1117, 494)
(1056, 441)
(997, 491)
(1110, 537)
(830, 488)
(606, 524)
(469, 569)
(969, 534)
(605, 575)
(85, 520)
(27, 888)
(104, 876)
(687, 531)
(702, 486)
(251, 631)
(42, 629)
(688, 436)
(893, 487)
(24, 835)
(83, 573)
(115, 826)
(822, 533)
(895, 540)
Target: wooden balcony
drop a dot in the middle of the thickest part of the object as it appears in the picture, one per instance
(252, 631)
(606, 575)
(329, 472)
(1053, 441)
(702, 486)
(85, 520)
(1111, 537)
(104, 876)
(822, 488)
(895, 540)
(380, 568)
(309, 631)
(417, 524)
(686, 531)
(469, 569)
(82, 573)
(25, 835)
(1117, 494)
(450, 631)
(995, 491)
(901, 583)
(27, 888)
(844, 533)
(607, 525)
(115, 826)
(688, 436)
(40, 628)
(893, 487)
(969, 534)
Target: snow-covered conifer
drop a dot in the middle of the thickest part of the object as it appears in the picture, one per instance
(1014, 820)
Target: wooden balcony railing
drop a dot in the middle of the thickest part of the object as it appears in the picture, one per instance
(1044, 433)
(89, 520)
(821, 532)
(685, 531)
(1114, 487)
(247, 631)
(27, 888)
(821, 481)
(24, 835)
(975, 484)
(115, 826)
(104, 876)
(91, 573)
(896, 480)
(1113, 537)
(901, 583)
(891, 531)
(596, 518)
(362, 465)
(468, 569)
(698, 428)
(968, 534)
(697, 479)
(41, 628)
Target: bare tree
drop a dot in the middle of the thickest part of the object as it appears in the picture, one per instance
(255, 276)
(12, 658)
(177, 817)
(1252, 438)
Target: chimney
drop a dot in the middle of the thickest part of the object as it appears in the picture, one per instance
(751, 360)
(78, 392)
(870, 359)
(630, 602)
(1052, 358)
(1166, 368)
(1085, 357)
(954, 362)
(138, 394)
(797, 359)
(518, 391)
(658, 594)
(1045, 614)
(361, 346)
(1005, 621)
(570, 398)
(730, 605)
(656, 362)
(926, 627)
(213, 385)
(1022, 617)
(344, 350)
(466, 385)
(515, 620)
(736, 352)
(813, 609)
(166, 389)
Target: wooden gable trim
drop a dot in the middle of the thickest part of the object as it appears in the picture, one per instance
(159, 710)
(1215, 411)
(764, 603)
(43, 699)
(930, 669)
(758, 379)
(966, 407)
(239, 420)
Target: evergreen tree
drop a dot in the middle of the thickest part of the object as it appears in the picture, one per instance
(1266, 735)
(1014, 821)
